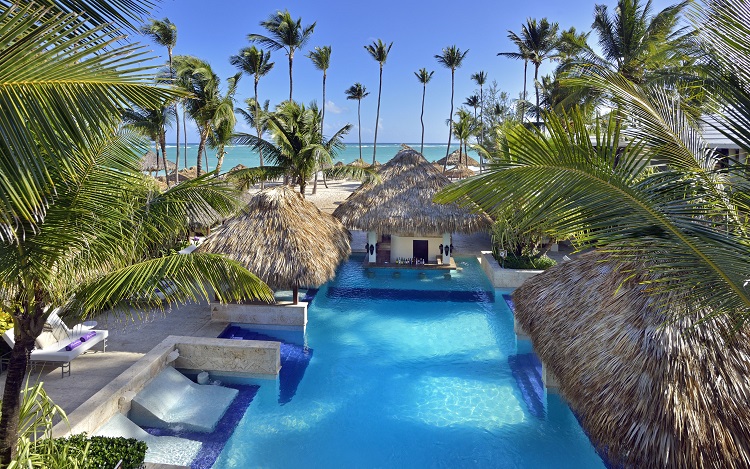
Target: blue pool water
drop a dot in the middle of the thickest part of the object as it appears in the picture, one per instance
(404, 373)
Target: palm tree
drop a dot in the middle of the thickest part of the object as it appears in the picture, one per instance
(255, 62)
(634, 42)
(480, 78)
(379, 51)
(321, 59)
(524, 54)
(685, 220)
(164, 33)
(424, 77)
(296, 146)
(463, 128)
(473, 102)
(357, 91)
(223, 121)
(451, 58)
(537, 42)
(284, 33)
(77, 223)
(197, 77)
(152, 124)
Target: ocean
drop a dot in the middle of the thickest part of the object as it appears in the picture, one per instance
(242, 154)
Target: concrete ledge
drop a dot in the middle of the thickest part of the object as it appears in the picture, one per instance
(250, 356)
(279, 315)
(504, 278)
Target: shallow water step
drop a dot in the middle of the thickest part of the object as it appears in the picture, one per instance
(171, 399)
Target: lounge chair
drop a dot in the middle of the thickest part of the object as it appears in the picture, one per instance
(161, 449)
(56, 336)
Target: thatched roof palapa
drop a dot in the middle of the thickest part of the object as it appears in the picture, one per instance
(359, 163)
(283, 239)
(460, 171)
(457, 157)
(150, 163)
(650, 393)
(402, 201)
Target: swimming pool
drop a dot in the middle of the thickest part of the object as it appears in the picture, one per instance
(388, 376)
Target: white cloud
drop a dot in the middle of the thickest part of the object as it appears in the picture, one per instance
(333, 108)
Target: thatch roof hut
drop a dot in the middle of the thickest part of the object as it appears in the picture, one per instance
(359, 163)
(283, 239)
(150, 163)
(237, 168)
(339, 164)
(460, 171)
(402, 201)
(457, 157)
(650, 394)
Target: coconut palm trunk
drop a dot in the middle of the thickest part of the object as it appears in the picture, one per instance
(421, 118)
(377, 116)
(359, 126)
(450, 122)
(184, 131)
(523, 101)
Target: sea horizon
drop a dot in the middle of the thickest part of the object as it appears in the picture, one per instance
(244, 154)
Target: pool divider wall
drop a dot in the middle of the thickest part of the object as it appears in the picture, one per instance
(278, 315)
(503, 278)
(197, 353)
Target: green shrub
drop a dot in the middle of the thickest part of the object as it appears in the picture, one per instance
(537, 262)
(106, 452)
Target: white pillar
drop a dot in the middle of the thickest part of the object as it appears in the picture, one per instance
(446, 248)
(372, 239)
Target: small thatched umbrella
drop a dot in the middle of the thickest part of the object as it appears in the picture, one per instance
(339, 164)
(460, 171)
(359, 163)
(283, 239)
(237, 168)
(457, 157)
(402, 202)
(649, 393)
(150, 163)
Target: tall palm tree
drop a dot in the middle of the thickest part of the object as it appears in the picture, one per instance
(152, 124)
(164, 33)
(379, 51)
(480, 78)
(255, 62)
(357, 91)
(451, 58)
(77, 223)
(284, 33)
(223, 121)
(321, 59)
(473, 102)
(523, 53)
(463, 128)
(686, 220)
(424, 77)
(197, 77)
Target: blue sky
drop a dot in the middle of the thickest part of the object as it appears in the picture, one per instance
(218, 29)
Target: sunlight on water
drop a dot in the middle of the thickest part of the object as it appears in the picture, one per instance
(444, 401)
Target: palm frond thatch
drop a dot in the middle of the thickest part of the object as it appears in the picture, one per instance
(283, 239)
(402, 202)
(460, 171)
(651, 393)
(458, 158)
(151, 163)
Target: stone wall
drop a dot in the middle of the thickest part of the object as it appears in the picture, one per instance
(504, 278)
(249, 356)
(280, 315)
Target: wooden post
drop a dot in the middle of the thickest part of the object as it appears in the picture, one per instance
(295, 294)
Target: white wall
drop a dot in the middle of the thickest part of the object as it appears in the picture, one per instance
(401, 246)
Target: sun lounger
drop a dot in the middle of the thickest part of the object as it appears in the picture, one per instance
(53, 343)
(172, 399)
(161, 449)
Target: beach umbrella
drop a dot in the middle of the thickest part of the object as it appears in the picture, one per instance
(402, 201)
(237, 168)
(359, 163)
(339, 164)
(150, 163)
(283, 239)
(649, 390)
(456, 158)
(460, 171)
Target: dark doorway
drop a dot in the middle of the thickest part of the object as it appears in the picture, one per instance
(419, 246)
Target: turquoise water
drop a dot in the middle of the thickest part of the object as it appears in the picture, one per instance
(397, 383)
(241, 154)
